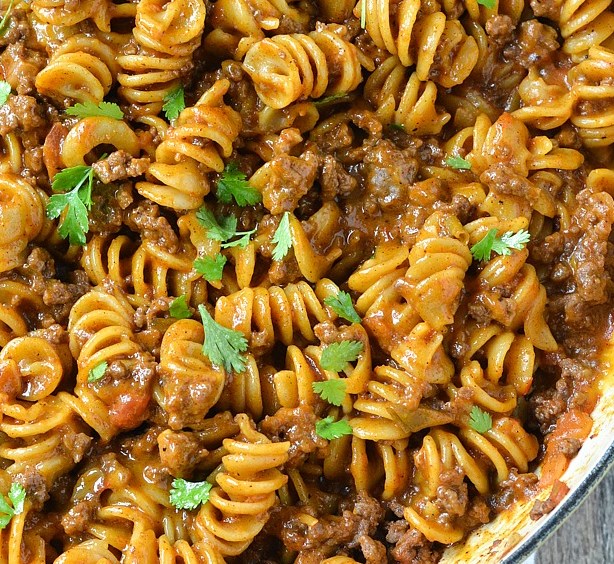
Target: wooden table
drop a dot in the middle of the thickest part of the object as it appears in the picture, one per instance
(587, 537)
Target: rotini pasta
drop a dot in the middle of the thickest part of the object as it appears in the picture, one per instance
(296, 280)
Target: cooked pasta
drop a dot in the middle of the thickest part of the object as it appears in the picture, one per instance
(296, 280)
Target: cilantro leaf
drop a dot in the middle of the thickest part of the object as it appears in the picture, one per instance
(336, 355)
(491, 243)
(342, 305)
(76, 183)
(332, 99)
(490, 4)
(329, 429)
(242, 242)
(5, 19)
(510, 240)
(222, 346)
(233, 184)
(174, 103)
(89, 109)
(458, 163)
(189, 495)
(179, 308)
(210, 268)
(332, 391)
(397, 126)
(17, 495)
(363, 14)
(221, 230)
(479, 420)
(97, 373)
(282, 238)
(5, 91)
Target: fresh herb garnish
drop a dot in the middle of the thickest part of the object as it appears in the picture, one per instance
(222, 346)
(179, 308)
(5, 92)
(189, 495)
(174, 103)
(329, 429)
(223, 229)
(89, 109)
(363, 14)
(210, 268)
(76, 184)
(97, 373)
(332, 391)
(17, 496)
(282, 238)
(336, 355)
(233, 184)
(458, 163)
(490, 4)
(503, 245)
(342, 305)
(5, 19)
(479, 420)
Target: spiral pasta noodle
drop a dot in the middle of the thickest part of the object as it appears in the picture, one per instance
(302, 66)
(421, 39)
(297, 280)
(167, 33)
(245, 491)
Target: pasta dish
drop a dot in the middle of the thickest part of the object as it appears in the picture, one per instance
(296, 281)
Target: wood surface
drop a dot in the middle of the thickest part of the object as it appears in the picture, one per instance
(587, 537)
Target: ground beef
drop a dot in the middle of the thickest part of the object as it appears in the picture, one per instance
(536, 42)
(500, 29)
(35, 486)
(287, 180)
(120, 165)
(516, 486)
(76, 445)
(389, 174)
(550, 9)
(334, 179)
(452, 496)
(187, 400)
(541, 508)
(297, 426)
(145, 219)
(411, 546)
(180, 452)
(373, 551)
(20, 66)
(20, 113)
(78, 517)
